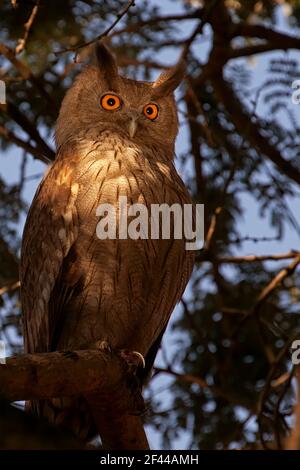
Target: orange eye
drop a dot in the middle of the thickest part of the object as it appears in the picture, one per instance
(151, 111)
(110, 102)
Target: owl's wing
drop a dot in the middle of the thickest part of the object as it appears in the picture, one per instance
(50, 231)
(176, 270)
(170, 294)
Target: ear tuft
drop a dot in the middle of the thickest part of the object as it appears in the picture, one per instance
(107, 65)
(168, 81)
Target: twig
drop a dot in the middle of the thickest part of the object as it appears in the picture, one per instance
(216, 391)
(254, 258)
(264, 392)
(25, 72)
(124, 61)
(251, 239)
(197, 30)
(105, 33)
(212, 227)
(265, 294)
(27, 26)
(136, 26)
(234, 311)
(23, 168)
(10, 287)
(184, 377)
(267, 291)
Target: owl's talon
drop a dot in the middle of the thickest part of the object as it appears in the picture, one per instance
(134, 358)
(141, 357)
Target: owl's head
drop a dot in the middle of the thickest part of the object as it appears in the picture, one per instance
(101, 99)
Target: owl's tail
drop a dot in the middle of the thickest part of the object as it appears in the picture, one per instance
(71, 414)
(118, 431)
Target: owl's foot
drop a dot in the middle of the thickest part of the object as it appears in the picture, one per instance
(132, 358)
(104, 346)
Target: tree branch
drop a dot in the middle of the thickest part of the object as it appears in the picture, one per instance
(60, 373)
(254, 258)
(133, 27)
(267, 291)
(225, 30)
(14, 113)
(281, 40)
(103, 378)
(34, 151)
(10, 287)
(249, 129)
(9, 53)
(256, 49)
(216, 391)
(27, 27)
(26, 72)
(105, 33)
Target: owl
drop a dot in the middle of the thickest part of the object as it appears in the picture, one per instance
(114, 137)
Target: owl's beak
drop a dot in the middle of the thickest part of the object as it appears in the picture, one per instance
(132, 126)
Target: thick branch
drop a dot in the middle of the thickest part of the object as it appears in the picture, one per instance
(55, 374)
(281, 40)
(255, 49)
(102, 378)
(274, 40)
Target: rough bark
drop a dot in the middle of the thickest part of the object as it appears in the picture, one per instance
(107, 382)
